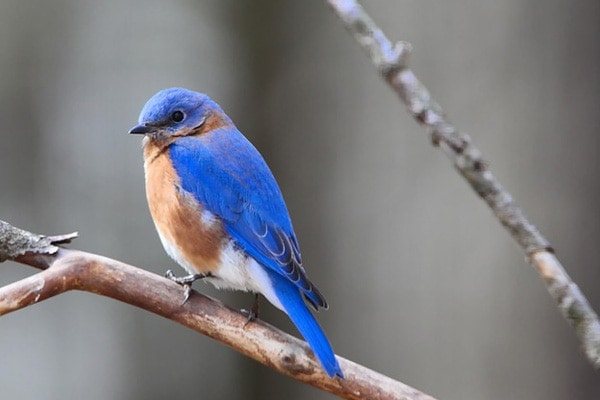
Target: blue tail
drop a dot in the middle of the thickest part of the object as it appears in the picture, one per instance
(293, 303)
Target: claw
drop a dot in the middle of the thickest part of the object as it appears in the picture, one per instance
(187, 290)
(253, 313)
(169, 275)
(186, 282)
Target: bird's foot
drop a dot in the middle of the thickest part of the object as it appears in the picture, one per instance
(253, 313)
(186, 282)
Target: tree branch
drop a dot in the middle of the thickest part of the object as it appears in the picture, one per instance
(391, 61)
(66, 269)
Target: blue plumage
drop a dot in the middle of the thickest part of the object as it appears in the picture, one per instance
(306, 323)
(227, 176)
(244, 194)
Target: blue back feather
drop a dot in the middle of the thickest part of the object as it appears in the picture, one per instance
(241, 190)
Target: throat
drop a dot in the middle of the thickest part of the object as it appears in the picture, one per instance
(154, 147)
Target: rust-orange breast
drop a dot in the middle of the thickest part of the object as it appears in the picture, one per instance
(187, 237)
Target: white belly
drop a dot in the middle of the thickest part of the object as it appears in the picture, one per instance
(236, 271)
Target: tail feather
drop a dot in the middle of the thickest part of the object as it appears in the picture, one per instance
(295, 307)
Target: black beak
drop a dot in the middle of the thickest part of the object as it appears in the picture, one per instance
(141, 129)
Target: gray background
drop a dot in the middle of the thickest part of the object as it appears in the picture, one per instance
(424, 284)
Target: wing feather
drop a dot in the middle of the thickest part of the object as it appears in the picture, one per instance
(230, 178)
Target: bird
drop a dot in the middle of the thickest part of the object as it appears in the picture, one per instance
(220, 213)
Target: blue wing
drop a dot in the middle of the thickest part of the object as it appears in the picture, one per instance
(230, 178)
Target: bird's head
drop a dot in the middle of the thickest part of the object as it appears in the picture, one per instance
(177, 112)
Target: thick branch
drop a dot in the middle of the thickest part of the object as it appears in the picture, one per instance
(391, 61)
(65, 269)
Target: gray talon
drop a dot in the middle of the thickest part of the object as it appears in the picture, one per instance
(186, 282)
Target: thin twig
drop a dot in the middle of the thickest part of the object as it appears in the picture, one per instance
(66, 269)
(391, 61)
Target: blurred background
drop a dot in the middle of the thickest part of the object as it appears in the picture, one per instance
(424, 284)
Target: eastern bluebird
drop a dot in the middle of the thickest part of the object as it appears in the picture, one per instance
(219, 212)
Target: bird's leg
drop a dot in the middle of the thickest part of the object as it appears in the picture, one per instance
(253, 313)
(186, 282)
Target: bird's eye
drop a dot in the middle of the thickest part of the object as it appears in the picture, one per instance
(177, 116)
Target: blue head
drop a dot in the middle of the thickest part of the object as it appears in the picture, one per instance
(176, 112)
